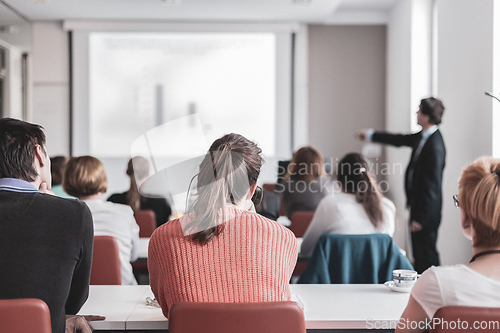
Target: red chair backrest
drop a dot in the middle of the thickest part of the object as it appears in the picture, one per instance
(105, 262)
(282, 206)
(300, 222)
(452, 319)
(24, 315)
(269, 187)
(146, 219)
(262, 317)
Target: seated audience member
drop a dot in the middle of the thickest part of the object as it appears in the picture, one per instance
(85, 178)
(478, 282)
(57, 166)
(45, 241)
(223, 251)
(359, 208)
(269, 204)
(138, 171)
(305, 182)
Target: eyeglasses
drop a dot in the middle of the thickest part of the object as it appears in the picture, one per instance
(455, 201)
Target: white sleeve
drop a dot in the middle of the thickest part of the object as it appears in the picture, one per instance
(134, 230)
(427, 292)
(369, 134)
(389, 210)
(316, 228)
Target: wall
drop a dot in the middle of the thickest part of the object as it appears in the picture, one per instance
(12, 103)
(20, 36)
(16, 40)
(346, 85)
(51, 84)
(465, 71)
(398, 119)
(412, 75)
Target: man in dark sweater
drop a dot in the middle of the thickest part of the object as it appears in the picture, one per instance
(45, 241)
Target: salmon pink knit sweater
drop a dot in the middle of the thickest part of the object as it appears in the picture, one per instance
(252, 260)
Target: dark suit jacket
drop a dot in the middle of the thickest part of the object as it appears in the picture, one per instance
(424, 196)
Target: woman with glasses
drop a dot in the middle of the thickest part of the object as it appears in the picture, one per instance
(478, 282)
(223, 251)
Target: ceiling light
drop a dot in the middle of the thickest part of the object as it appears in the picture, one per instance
(170, 2)
(302, 2)
(9, 29)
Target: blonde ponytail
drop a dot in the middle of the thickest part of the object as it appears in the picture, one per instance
(230, 167)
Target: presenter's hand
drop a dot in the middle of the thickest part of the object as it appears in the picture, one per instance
(361, 135)
(415, 226)
(44, 188)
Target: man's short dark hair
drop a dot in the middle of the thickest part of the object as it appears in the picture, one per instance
(434, 108)
(18, 141)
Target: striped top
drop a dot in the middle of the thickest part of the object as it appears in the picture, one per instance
(252, 260)
(17, 185)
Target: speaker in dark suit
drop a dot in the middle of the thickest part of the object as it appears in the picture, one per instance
(423, 179)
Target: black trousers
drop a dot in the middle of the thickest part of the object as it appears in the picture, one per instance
(424, 249)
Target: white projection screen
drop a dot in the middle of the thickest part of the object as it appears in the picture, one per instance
(130, 83)
(138, 81)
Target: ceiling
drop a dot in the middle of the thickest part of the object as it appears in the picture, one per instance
(8, 17)
(309, 11)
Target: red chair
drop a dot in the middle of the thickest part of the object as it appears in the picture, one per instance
(24, 315)
(469, 318)
(269, 187)
(262, 317)
(300, 222)
(282, 206)
(105, 262)
(146, 219)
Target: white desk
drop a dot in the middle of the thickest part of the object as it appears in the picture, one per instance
(326, 306)
(114, 302)
(349, 306)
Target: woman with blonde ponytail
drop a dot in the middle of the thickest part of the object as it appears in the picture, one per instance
(223, 251)
(359, 208)
(138, 171)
